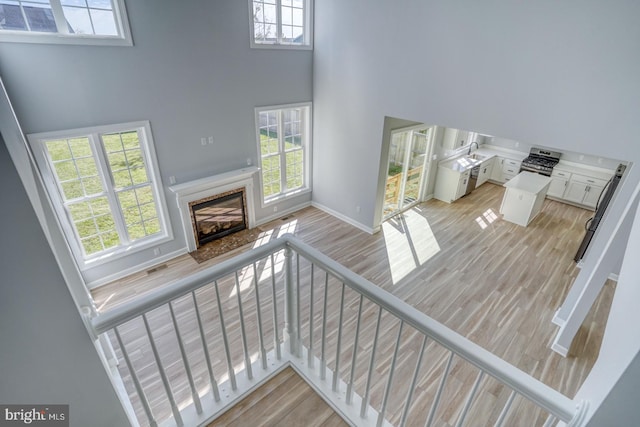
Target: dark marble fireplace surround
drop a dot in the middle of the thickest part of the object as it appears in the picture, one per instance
(219, 215)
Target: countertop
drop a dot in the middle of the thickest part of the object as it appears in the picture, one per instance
(462, 162)
(591, 171)
(529, 182)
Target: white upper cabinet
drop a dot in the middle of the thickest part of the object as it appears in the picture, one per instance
(455, 138)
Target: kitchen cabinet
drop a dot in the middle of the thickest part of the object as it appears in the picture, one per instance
(584, 190)
(504, 169)
(559, 181)
(462, 184)
(450, 184)
(496, 173)
(524, 197)
(510, 168)
(454, 139)
(486, 170)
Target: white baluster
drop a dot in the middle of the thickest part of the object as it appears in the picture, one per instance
(205, 347)
(467, 405)
(407, 404)
(392, 371)
(310, 357)
(225, 339)
(276, 338)
(243, 332)
(355, 353)
(365, 400)
(291, 303)
(163, 375)
(185, 360)
(263, 353)
(323, 344)
(505, 410)
(136, 382)
(551, 420)
(336, 373)
(436, 400)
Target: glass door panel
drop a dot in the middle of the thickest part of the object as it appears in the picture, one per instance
(406, 171)
(415, 166)
(395, 172)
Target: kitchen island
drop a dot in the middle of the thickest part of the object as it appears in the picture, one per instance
(523, 197)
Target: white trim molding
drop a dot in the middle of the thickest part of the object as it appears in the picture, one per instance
(344, 218)
(210, 186)
(63, 35)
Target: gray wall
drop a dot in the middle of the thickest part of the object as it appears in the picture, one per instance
(620, 408)
(614, 380)
(191, 73)
(557, 74)
(561, 75)
(46, 356)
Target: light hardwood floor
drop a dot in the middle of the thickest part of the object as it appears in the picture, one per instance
(285, 400)
(494, 282)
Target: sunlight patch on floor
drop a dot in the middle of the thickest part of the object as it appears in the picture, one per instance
(488, 217)
(410, 242)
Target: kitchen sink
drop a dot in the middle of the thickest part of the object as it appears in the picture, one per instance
(476, 156)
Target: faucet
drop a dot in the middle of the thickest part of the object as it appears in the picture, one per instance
(470, 145)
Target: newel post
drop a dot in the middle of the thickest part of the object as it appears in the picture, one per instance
(291, 304)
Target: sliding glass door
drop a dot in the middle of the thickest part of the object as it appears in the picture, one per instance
(406, 172)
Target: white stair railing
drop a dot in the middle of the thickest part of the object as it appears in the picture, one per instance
(373, 357)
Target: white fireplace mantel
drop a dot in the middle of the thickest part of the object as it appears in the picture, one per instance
(210, 186)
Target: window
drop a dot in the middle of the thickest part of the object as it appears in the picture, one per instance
(281, 23)
(284, 145)
(64, 21)
(105, 188)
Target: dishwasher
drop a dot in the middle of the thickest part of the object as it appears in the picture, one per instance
(473, 179)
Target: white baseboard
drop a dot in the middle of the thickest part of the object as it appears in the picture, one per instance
(557, 320)
(343, 218)
(562, 351)
(140, 267)
(279, 214)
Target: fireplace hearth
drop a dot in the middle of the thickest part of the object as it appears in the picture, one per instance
(218, 216)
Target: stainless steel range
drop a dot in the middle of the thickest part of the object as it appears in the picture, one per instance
(540, 161)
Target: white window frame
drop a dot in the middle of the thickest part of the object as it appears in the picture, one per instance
(64, 37)
(37, 142)
(308, 29)
(307, 148)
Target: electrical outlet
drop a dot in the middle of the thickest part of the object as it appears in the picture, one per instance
(156, 251)
(203, 141)
(172, 179)
(517, 144)
(210, 140)
(248, 161)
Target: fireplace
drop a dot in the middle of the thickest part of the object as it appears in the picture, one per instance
(218, 216)
(202, 190)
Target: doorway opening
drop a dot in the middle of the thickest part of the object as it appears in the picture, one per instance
(407, 169)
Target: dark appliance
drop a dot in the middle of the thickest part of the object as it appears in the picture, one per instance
(601, 206)
(473, 179)
(540, 161)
